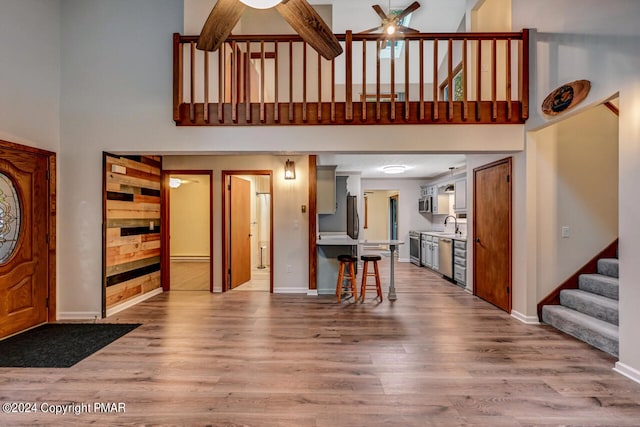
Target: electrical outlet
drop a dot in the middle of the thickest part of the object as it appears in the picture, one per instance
(565, 231)
(289, 268)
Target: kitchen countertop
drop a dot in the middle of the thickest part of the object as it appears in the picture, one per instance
(446, 235)
(336, 240)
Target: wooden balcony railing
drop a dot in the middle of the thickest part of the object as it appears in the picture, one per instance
(433, 78)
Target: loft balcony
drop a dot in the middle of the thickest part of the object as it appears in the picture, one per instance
(424, 78)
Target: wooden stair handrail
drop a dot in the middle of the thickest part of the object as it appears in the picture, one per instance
(572, 282)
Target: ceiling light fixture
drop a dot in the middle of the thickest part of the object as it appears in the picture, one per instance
(261, 4)
(394, 169)
(175, 182)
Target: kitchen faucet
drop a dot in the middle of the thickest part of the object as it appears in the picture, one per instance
(455, 222)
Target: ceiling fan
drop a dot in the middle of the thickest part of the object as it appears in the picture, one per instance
(391, 21)
(298, 13)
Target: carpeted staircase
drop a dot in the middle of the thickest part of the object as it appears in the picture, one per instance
(590, 313)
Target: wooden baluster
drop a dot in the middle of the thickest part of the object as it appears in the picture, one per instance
(234, 82)
(508, 79)
(421, 116)
(523, 75)
(478, 80)
(465, 100)
(178, 77)
(392, 88)
(192, 101)
(452, 90)
(494, 81)
(206, 87)
(364, 80)
(406, 80)
(435, 80)
(290, 81)
(378, 43)
(262, 61)
(333, 90)
(348, 60)
(276, 104)
(304, 82)
(319, 88)
(221, 83)
(247, 84)
(393, 80)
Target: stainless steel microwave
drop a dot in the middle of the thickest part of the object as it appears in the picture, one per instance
(425, 204)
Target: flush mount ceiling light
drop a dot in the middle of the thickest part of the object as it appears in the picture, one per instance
(261, 4)
(175, 182)
(394, 169)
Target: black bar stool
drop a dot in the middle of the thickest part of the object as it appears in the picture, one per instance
(352, 286)
(365, 273)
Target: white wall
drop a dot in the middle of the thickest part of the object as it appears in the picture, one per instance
(601, 44)
(290, 241)
(408, 216)
(189, 217)
(577, 187)
(30, 72)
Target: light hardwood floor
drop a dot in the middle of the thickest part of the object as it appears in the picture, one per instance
(436, 357)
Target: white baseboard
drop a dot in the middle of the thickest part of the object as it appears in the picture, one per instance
(79, 315)
(627, 371)
(190, 258)
(404, 260)
(133, 301)
(529, 320)
(312, 292)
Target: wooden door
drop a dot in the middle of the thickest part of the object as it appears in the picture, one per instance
(24, 257)
(492, 233)
(240, 231)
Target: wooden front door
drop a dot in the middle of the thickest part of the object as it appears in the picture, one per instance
(24, 253)
(492, 233)
(240, 231)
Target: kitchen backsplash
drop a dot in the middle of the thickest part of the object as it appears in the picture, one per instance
(438, 224)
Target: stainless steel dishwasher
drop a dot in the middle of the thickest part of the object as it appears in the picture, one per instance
(445, 246)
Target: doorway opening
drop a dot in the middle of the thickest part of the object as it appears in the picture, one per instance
(189, 212)
(247, 224)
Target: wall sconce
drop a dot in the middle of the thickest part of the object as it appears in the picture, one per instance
(290, 170)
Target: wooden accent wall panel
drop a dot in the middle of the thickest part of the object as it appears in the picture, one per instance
(131, 255)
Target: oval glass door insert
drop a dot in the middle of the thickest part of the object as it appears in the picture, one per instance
(9, 218)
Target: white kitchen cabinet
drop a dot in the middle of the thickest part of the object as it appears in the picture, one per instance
(326, 189)
(460, 262)
(460, 195)
(425, 191)
(441, 204)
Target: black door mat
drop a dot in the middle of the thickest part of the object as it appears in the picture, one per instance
(59, 345)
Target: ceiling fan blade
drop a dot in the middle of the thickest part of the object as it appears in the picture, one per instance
(371, 30)
(380, 12)
(313, 30)
(223, 17)
(403, 29)
(412, 7)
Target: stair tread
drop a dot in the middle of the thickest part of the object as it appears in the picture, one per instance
(599, 284)
(594, 305)
(608, 266)
(591, 297)
(598, 333)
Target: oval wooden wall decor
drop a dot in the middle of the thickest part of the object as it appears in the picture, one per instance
(565, 97)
